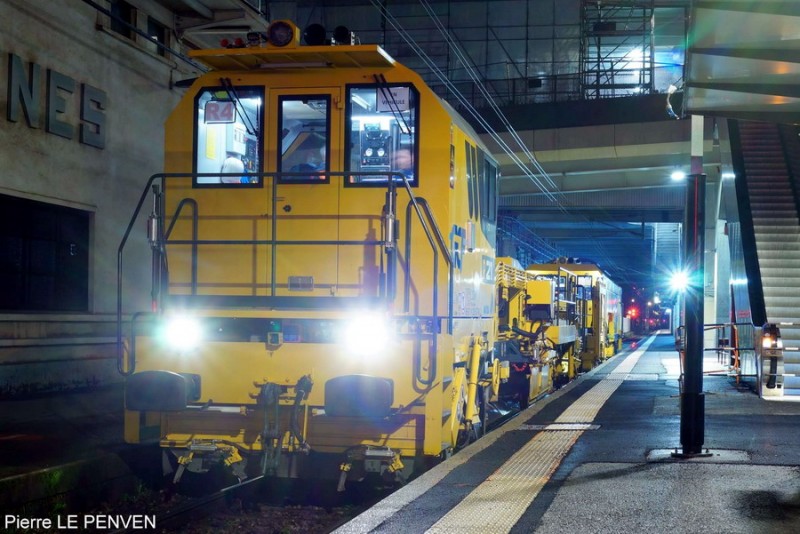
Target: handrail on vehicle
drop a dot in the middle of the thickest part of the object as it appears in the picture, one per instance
(126, 363)
(421, 207)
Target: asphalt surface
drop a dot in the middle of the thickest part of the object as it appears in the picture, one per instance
(620, 475)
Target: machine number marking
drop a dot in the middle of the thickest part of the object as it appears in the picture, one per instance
(457, 243)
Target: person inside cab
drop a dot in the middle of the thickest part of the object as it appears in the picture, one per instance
(403, 162)
(314, 162)
(232, 164)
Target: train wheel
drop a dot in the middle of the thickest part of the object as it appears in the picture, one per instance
(483, 410)
(524, 393)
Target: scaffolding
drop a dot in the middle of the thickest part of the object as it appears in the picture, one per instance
(617, 48)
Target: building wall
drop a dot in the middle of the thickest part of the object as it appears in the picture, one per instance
(73, 39)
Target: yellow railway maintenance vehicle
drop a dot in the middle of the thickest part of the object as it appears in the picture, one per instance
(598, 308)
(537, 331)
(323, 296)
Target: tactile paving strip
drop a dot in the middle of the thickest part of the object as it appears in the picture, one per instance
(497, 504)
(560, 426)
(585, 409)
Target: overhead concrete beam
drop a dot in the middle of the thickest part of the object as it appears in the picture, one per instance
(609, 157)
(199, 8)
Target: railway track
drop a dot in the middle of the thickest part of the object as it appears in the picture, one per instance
(254, 504)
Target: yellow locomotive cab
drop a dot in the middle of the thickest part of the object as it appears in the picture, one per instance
(324, 295)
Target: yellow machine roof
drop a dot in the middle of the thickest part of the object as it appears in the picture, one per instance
(300, 57)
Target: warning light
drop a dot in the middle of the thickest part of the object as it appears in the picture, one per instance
(633, 313)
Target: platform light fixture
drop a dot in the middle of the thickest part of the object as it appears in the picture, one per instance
(678, 175)
(679, 281)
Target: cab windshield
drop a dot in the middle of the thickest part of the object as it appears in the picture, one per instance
(383, 133)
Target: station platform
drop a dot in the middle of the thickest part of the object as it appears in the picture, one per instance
(597, 456)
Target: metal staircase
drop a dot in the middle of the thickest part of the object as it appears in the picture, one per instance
(777, 237)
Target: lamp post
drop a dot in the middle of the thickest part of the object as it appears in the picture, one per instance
(692, 399)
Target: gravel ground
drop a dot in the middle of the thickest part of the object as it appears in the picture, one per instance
(240, 516)
(271, 520)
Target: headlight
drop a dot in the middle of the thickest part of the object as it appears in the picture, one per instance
(182, 333)
(367, 335)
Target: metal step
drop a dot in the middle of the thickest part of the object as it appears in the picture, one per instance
(791, 385)
(786, 263)
(769, 208)
(778, 255)
(792, 293)
(783, 277)
(773, 236)
(776, 219)
(787, 314)
(779, 245)
(778, 282)
(772, 318)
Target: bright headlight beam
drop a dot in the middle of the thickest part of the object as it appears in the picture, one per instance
(367, 334)
(183, 333)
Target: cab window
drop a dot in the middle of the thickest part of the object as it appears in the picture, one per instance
(304, 155)
(383, 135)
(228, 135)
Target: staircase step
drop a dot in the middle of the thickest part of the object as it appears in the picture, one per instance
(767, 258)
(773, 236)
(792, 275)
(791, 383)
(767, 192)
(779, 281)
(783, 291)
(777, 221)
(782, 301)
(773, 202)
(788, 313)
(764, 239)
(785, 263)
(773, 162)
(770, 205)
(785, 246)
(781, 319)
(760, 181)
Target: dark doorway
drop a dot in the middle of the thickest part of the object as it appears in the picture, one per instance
(44, 256)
